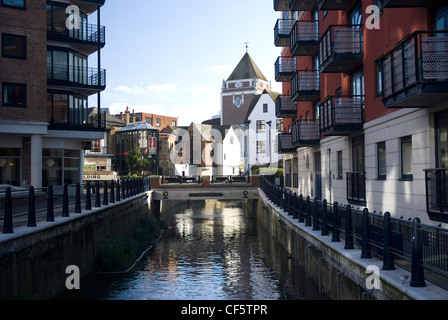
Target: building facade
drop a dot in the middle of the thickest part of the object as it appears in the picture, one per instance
(45, 81)
(369, 88)
(157, 121)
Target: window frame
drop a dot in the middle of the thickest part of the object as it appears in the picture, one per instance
(339, 164)
(405, 176)
(261, 147)
(261, 126)
(381, 176)
(6, 104)
(265, 108)
(6, 5)
(25, 47)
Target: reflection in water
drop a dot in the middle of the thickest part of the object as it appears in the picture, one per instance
(212, 250)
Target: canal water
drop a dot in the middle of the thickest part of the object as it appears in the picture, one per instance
(212, 250)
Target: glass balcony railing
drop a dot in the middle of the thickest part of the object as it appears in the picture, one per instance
(285, 143)
(75, 76)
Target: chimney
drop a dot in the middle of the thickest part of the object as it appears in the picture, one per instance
(127, 116)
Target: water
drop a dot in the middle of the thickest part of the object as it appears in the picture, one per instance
(212, 250)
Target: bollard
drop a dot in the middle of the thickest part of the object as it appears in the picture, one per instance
(105, 194)
(307, 212)
(295, 206)
(112, 191)
(7, 221)
(316, 208)
(388, 261)
(118, 191)
(31, 208)
(78, 198)
(348, 228)
(324, 218)
(417, 271)
(88, 197)
(97, 195)
(65, 213)
(127, 187)
(123, 189)
(365, 247)
(300, 207)
(335, 232)
(50, 206)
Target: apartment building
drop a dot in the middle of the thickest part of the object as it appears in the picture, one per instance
(367, 80)
(45, 81)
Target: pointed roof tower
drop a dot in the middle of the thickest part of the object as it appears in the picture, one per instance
(246, 69)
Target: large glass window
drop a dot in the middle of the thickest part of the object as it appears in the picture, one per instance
(66, 109)
(52, 167)
(406, 158)
(10, 166)
(67, 65)
(260, 126)
(13, 46)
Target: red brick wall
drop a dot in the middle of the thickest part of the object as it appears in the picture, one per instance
(32, 71)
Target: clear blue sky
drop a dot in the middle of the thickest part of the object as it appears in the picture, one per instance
(170, 57)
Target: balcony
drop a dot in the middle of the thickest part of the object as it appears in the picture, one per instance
(284, 69)
(281, 5)
(285, 143)
(340, 49)
(85, 81)
(285, 107)
(282, 31)
(305, 86)
(406, 3)
(356, 188)
(415, 72)
(304, 38)
(333, 4)
(305, 134)
(341, 115)
(301, 5)
(88, 6)
(87, 40)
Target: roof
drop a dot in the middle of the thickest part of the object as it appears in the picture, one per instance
(274, 95)
(137, 126)
(246, 69)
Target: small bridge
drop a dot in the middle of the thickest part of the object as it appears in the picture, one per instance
(204, 188)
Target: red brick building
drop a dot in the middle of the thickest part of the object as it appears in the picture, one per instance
(158, 121)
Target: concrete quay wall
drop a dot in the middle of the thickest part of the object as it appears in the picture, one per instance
(339, 273)
(34, 261)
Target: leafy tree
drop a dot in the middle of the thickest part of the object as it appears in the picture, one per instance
(136, 162)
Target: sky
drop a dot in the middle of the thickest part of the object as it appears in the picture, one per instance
(170, 57)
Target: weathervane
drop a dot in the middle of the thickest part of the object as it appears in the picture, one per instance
(247, 45)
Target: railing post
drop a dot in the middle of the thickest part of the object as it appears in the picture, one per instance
(128, 184)
(417, 274)
(388, 261)
(307, 212)
(7, 222)
(118, 191)
(335, 233)
(316, 208)
(365, 252)
(105, 194)
(97, 195)
(295, 206)
(50, 206)
(112, 191)
(65, 212)
(31, 208)
(88, 197)
(324, 218)
(123, 189)
(78, 198)
(348, 228)
(300, 207)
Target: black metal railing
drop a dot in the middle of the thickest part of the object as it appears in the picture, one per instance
(79, 76)
(284, 68)
(29, 206)
(408, 243)
(282, 32)
(305, 133)
(305, 85)
(421, 57)
(436, 182)
(285, 107)
(341, 113)
(88, 33)
(356, 188)
(285, 143)
(304, 37)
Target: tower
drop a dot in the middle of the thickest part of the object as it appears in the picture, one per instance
(245, 81)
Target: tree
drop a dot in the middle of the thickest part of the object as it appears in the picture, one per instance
(136, 162)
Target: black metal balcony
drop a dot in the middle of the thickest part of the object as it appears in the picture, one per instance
(285, 107)
(437, 194)
(87, 39)
(305, 86)
(406, 3)
(304, 38)
(356, 188)
(285, 143)
(415, 72)
(302, 5)
(284, 69)
(282, 31)
(88, 6)
(85, 80)
(305, 134)
(333, 4)
(340, 48)
(281, 5)
(341, 115)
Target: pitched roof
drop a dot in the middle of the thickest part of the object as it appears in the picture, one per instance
(274, 95)
(246, 69)
(137, 126)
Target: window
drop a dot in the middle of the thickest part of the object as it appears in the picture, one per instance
(381, 160)
(13, 46)
(260, 126)
(14, 3)
(158, 122)
(406, 158)
(265, 107)
(279, 125)
(339, 164)
(379, 78)
(173, 123)
(261, 147)
(148, 120)
(14, 95)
